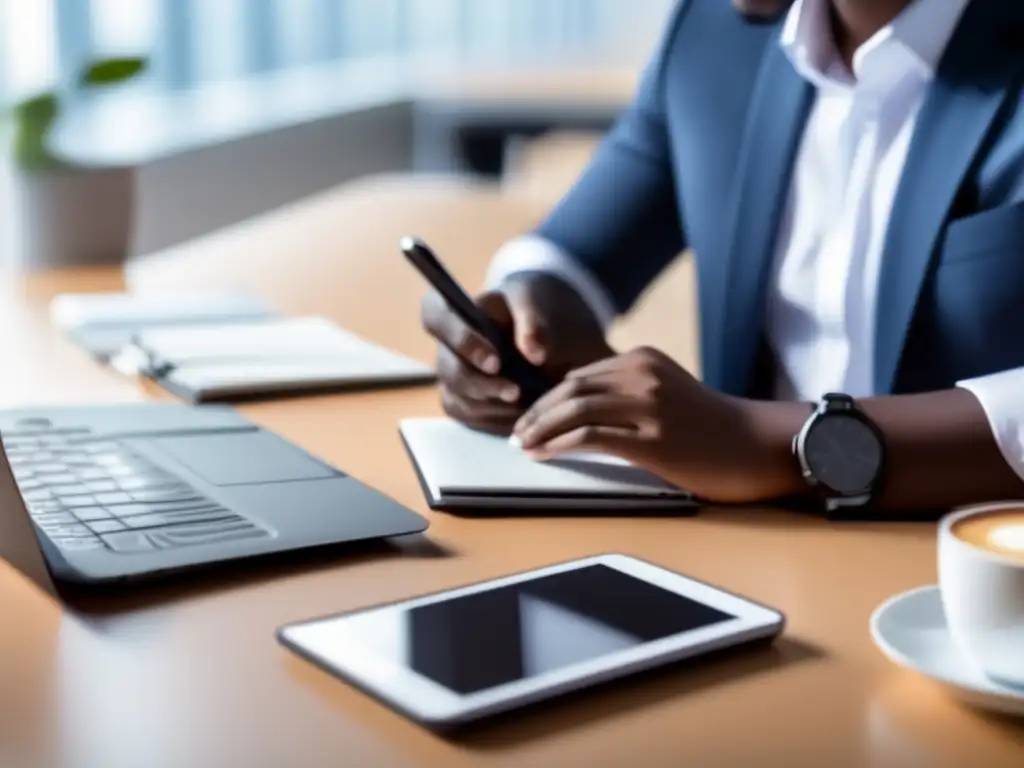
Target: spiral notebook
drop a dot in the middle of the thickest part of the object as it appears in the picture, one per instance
(462, 469)
(273, 357)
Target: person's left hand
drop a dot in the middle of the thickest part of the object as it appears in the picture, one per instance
(643, 407)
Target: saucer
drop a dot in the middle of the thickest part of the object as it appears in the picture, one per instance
(911, 631)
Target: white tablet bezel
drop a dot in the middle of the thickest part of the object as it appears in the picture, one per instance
(325, 642)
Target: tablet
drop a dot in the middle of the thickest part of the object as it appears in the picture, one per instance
(449, 659)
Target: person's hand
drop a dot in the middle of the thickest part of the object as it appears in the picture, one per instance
(552, 326)
(643, 407)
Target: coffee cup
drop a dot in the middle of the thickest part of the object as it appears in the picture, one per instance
(981, 578)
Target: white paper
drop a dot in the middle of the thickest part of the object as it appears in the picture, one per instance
(74, 311)
(455, 459)
(274, 354)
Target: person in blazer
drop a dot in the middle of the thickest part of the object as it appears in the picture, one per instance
(849, 175)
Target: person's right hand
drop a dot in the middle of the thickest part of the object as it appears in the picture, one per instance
(552, 326)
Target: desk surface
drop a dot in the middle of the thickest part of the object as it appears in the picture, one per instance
(190, 674)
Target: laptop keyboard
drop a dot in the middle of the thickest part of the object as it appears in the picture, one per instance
(92, 493)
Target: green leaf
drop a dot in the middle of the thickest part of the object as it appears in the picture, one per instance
(33, 120)
(35, 117)
(112, 71)
(38, 109)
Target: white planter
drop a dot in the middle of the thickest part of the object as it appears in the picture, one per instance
(64, 219)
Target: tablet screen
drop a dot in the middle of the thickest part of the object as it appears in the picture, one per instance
(478, 641)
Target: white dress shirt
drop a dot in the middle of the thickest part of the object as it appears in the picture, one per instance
(821, 300)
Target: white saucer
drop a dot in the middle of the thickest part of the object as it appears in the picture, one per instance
(911, 631)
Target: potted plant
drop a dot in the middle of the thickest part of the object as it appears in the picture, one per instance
(62, 215)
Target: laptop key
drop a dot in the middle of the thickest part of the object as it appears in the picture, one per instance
(49, 469)
(164, 519)
(62, 491)
(56, 518)
(98, 447)
(88, 514)
(127, 542)
(44, 507)
(119, 471)
(148, 482)
(42, 457)
(94, 474)
(41, 494)
(127, 510)
(108, 459)
(78, 501)
(65, 530)
(77, 544)
(184, 494)
(109, 499)
(151, 508)
(106, 526)
(12, 440)
(77, 461)
(182, 516)
(60, 480)
(101, 486)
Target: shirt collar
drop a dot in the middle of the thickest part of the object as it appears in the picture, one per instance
(913, 42)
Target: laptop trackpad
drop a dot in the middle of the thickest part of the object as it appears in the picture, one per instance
(247, 458)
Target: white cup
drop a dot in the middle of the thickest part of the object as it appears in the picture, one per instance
(983, 599)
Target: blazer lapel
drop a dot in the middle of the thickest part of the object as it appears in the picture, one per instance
(778, 113)
(973, 83)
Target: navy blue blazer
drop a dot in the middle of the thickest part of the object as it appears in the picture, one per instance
(703, 157)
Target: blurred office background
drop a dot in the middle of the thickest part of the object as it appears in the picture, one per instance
(248, 104)
(196, 41)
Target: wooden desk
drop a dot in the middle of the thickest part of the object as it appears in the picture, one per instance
(190, 676)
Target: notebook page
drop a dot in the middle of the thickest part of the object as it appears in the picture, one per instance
(240, 358)
(454, 459)
(106, 310)
(268, 376)
(300, 338)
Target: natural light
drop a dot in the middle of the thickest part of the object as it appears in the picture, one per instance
(27, 46)
(189, 42)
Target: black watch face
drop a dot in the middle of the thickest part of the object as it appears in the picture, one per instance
(843, 453)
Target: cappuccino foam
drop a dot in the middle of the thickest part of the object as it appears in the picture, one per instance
(999, 532)
(1009, 537)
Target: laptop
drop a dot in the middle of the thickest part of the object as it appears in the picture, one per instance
(106, 494)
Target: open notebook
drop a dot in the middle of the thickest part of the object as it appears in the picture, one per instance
(102, 323)
(461, 469)
(226, 361)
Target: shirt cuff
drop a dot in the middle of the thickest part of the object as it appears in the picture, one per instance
(531, 253)
(1001, 399)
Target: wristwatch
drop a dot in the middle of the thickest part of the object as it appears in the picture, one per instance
(841, 454)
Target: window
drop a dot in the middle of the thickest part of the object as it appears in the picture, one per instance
(213, 35)
(28, 46)
(193, 41)
(124, 26)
